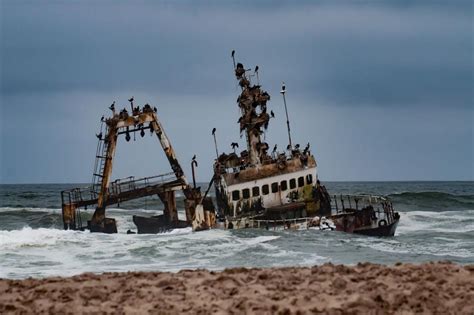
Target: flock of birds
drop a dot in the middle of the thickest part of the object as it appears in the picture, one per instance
(233, 145)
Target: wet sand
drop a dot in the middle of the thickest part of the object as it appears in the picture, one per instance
(433, 288)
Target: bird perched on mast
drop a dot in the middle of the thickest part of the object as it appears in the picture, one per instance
(215, 141)
(256, 72)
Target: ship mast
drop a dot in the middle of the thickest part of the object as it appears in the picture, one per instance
(253, 105)
(283, 92)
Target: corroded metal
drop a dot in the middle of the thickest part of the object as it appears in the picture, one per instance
(258, 185)
(372, 215)
(104, 192)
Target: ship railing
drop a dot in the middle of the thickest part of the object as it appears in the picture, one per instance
(130, 183)
(76, 195)
(381, 205)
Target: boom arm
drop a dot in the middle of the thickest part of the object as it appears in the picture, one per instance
(116, 126)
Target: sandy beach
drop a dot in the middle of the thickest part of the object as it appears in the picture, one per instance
(439, 288)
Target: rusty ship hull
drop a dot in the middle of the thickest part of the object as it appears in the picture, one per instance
(372, 216)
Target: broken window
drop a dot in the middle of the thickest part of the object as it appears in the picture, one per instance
(256, 191)
(292, 183)
(309, 178)
(236, 195)
(283, 185)
(301, 181)
(246, 193)
(274, 187)
(265, 190)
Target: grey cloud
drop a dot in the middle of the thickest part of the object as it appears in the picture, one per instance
(364, 79)
(347, 53)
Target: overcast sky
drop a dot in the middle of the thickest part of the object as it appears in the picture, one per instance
(383, 90)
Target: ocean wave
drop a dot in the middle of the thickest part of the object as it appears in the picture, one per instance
(460, 221)
(29, 237)
(433, 195)
(434, 200)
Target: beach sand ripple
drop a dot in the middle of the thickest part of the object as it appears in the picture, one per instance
(440, 288)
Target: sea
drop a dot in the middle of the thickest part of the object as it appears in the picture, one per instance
(437, 224)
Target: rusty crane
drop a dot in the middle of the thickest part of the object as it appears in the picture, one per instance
(104, 192)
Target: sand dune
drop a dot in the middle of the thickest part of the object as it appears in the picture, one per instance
(441, 288)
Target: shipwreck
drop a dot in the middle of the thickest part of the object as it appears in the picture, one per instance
(259, 188)
(104, 192)
(254, 188)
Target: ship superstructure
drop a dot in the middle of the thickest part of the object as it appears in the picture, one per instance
(259, 187)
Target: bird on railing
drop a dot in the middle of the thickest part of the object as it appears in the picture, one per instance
(214, 131)
(274, 148)
(99, 136)
(112, 107)
(194, 157)
(234, 145)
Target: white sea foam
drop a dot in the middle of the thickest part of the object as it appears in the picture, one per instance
(442, 222)
(30, 209)
(44, 252)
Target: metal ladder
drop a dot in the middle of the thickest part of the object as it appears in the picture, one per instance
(99, 165)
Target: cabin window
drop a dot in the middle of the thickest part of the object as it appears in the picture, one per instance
(283, 185)
(274, 187)
(246, 193)
(265, 190)
(301, 181)
(236, 195)
(292, 183)
(256, 191)
(309, 179)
